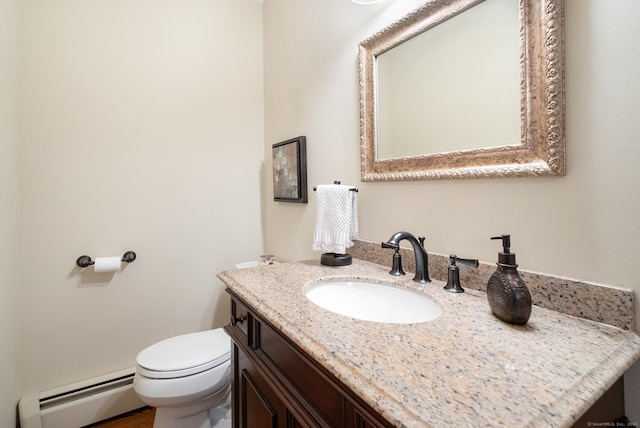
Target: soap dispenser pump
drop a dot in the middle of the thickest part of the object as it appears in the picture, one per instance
(508, 295)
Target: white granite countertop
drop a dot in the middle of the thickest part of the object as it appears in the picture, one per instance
(466, 368)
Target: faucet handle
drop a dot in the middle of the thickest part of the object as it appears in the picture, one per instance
(390, 245)
(453, 274)
(469, 262)
(421, 239)
(396, 269)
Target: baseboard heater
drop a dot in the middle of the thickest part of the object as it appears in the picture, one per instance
(81, 403)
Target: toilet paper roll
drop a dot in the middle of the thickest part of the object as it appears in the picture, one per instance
(107, 264)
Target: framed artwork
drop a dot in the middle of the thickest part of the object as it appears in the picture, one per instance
(290, 170)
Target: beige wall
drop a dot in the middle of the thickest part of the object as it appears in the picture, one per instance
(584, 225)
(9, 389)
(141, 129)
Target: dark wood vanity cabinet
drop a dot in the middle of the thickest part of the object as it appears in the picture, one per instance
(277, 385)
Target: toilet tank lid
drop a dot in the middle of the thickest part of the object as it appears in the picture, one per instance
(187, 351)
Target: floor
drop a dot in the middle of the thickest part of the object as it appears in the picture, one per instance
(141, 418)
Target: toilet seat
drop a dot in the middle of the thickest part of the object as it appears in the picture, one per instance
(185, 355)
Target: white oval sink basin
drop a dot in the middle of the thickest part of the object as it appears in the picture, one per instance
(373, 302)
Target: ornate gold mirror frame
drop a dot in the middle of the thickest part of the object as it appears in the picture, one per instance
(541, 150)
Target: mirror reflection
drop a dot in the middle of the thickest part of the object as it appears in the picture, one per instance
(454, 87)
(464, 89)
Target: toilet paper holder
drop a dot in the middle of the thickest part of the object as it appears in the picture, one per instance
(84, 261)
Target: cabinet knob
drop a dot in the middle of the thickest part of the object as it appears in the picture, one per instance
(238, 320)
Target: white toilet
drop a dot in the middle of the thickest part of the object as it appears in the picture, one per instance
(188, 380)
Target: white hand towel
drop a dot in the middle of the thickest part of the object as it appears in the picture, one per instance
(336, 218)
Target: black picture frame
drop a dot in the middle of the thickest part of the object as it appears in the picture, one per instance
(290, 170)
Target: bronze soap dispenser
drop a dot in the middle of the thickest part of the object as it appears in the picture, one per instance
(508, 295)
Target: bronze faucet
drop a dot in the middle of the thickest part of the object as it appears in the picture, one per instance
(422, 259)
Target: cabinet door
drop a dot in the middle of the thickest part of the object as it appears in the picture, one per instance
(277, 384)
(255, 402)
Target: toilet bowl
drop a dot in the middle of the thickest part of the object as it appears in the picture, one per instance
(187, 379)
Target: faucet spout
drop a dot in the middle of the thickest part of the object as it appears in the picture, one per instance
(422, 259)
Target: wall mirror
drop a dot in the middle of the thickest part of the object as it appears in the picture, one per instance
(464, 89)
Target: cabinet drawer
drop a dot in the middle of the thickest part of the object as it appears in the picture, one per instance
(241, 320)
